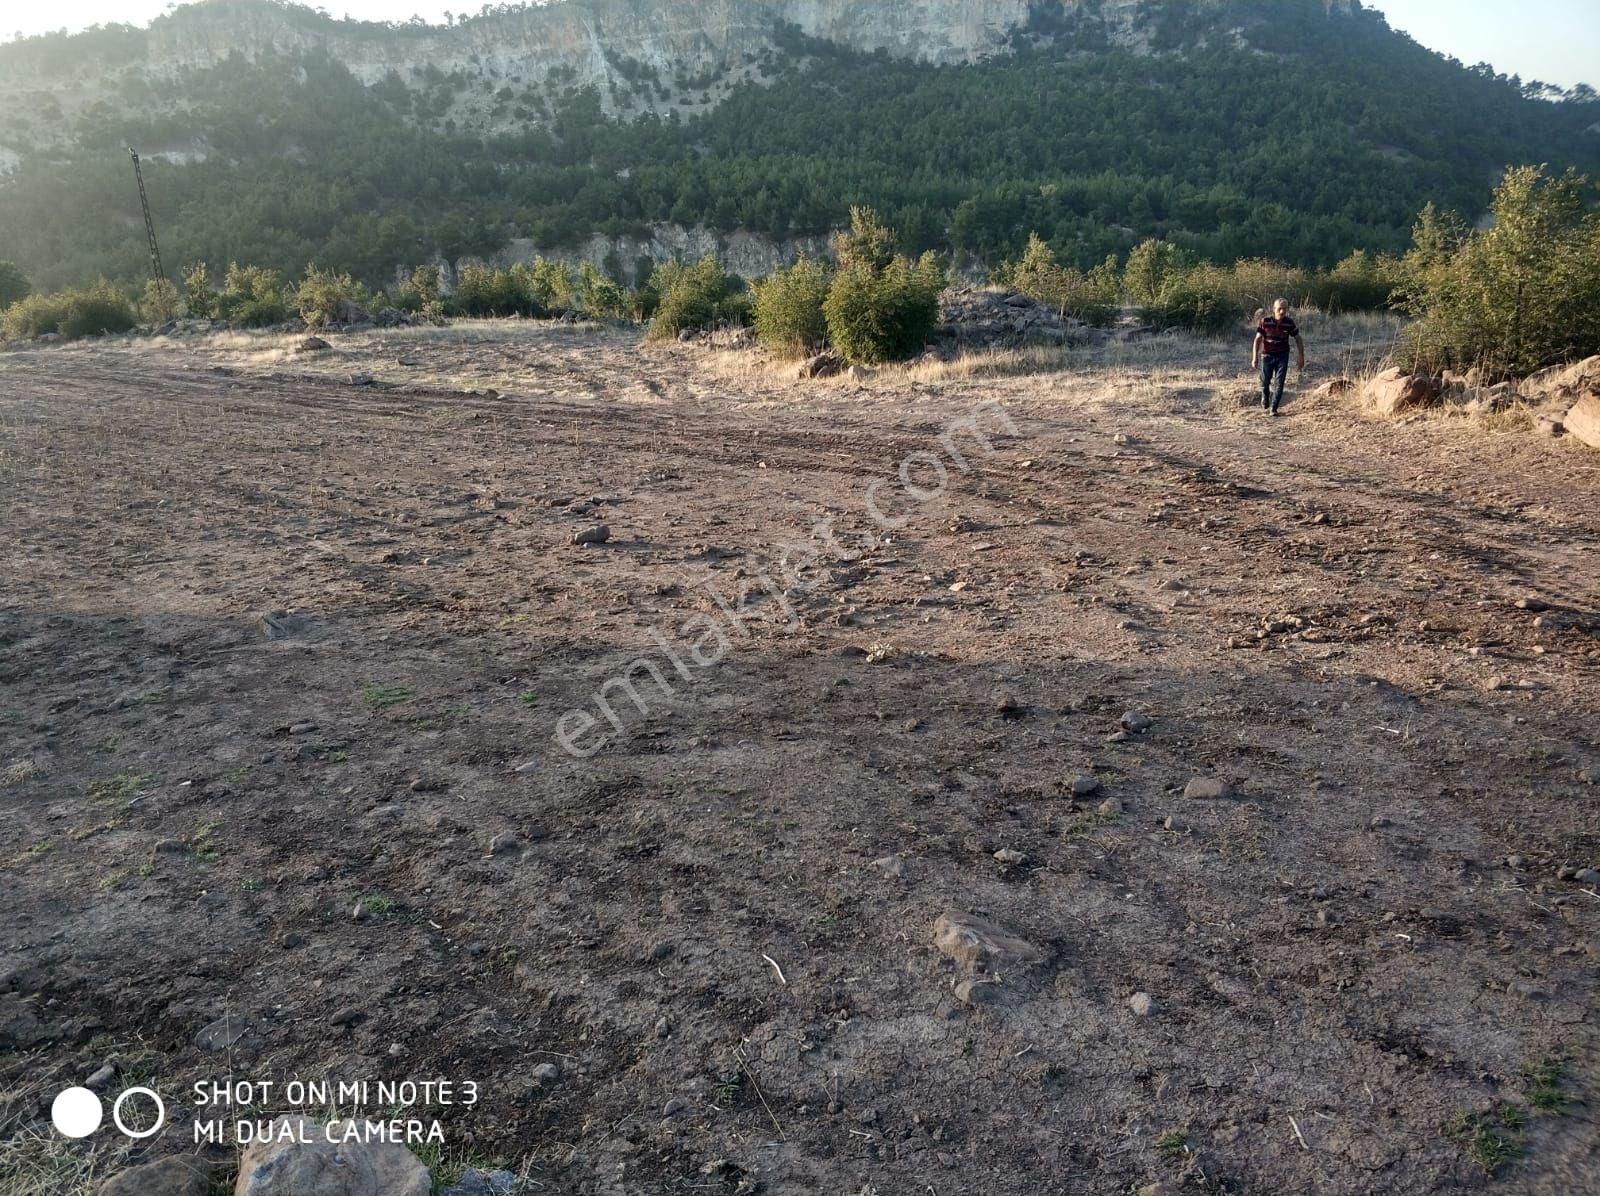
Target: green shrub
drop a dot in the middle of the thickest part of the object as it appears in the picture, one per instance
(95, 311)
(697, 297)
(788, 313)
(160, 301)
(14, 284)
(1091, 298)
(1150, 264)
(1203, 298)
(549, 286)
(599, 296)
(485, 291)
(34, 315)
(252, 296)
(198, 296)
(323, 296)
(417, 289)
(878, 314)
(1517, 296)
(1361, 282)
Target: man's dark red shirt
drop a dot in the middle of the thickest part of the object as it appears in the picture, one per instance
(1276, 335)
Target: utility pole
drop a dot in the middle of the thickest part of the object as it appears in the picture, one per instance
(156, 272)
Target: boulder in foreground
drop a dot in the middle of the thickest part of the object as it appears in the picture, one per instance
(1396, 390)
(1583, 420)
(298, 1160)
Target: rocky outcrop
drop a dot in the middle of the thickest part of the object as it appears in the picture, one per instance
(1583, 420)
(1396, 391)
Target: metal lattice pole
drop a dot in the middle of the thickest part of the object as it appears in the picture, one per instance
(156, 272)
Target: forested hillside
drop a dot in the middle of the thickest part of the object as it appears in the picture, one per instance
(1236, 129)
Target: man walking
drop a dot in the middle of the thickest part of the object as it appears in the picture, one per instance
(1271, 350)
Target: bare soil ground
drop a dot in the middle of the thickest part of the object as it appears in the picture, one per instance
(698, 926)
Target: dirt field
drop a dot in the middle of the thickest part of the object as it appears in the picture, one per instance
(287, 660)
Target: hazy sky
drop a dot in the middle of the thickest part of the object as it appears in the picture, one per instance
(1554, 40)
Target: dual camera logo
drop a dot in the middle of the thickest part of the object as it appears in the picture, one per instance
(78, 1112)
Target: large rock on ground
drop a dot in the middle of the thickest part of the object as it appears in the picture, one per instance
(179, 1175)
(307, 1164)
(982, 318)
(981, 947)
(1395, 391)
(1583, 420)
(823, 365)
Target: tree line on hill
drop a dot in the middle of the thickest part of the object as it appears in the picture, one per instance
(1518, 295)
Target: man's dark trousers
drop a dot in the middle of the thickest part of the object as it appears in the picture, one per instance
(1273, 364)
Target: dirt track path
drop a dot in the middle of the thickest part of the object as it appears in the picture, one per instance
(1319, 611)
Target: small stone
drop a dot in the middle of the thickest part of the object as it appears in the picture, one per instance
(532, 766)
(1206, 788)
(361, 379)
(504, 843)
(660, 950)
(1136, 722)
(598, 534)
(674, 1106)
(546, 1073)
(169, 847)
(313, 344)
(1587, 876)
(867, 1116)
(397, 1050)
(1110, 808)
(102, 1077)
(1590, 776)
(1175, 824)
(1513, 862)
(1379, 822)
(348, 1016)
(302, 728)
(980, 946)
(1526, 990)
(663, 1028)
(890, 865)
(1084, 786)
(221, 1034)
(1531, 603)
(977, 991)
(426, 785)
(1010, 857)
(1007, 705)
(1117, 737)
(1142, 1005)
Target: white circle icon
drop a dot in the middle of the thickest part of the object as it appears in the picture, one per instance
(116, 1113)
(76, 1112)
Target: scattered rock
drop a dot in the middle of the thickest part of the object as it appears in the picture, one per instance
(546, 1073)
(312, 344)
(221, 1034)
(860, 373)
(1143, 1005)
(1379, 822)
(823, 365)
(1175, 824)
(1110, 808)
(685, 335)
(348, 1016)
(427, 785)
(302, 728)
(890, 865)
(1006, 704)
(1396, 390)
(1587, 876)
(977, 991)
(102, 1077)
(1526, 990)
(598, 534)
(1083, 786)
(1136, 722)
(504, 843)
(296, 1159)
(1550, 426)
(179, 1175)
(1010, 857)
(360, 379)
(482, 1183)
(980, 318)
(674, 1106)
(1583, 419)
(1206, 788)
(979, 946)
